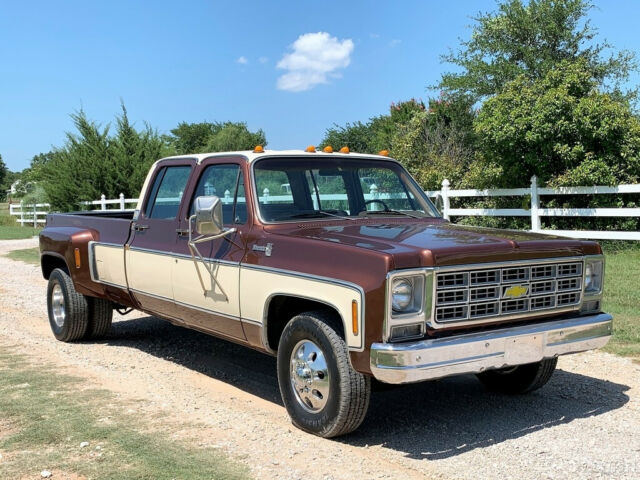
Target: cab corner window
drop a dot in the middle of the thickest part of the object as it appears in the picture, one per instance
(166, 192)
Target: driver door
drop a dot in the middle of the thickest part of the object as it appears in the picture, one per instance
(201, 301)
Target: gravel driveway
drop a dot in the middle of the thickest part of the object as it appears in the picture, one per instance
(584, 424)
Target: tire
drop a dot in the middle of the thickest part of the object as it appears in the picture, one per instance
(68, 310)
(100, 318)
(520, 379)
(332, 406)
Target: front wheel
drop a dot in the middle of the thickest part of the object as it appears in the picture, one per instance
(321, 391)
(520, 379)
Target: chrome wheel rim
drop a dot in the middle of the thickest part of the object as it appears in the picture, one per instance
(57, 305)
(309, 376)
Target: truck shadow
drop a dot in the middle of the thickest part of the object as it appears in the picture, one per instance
(431, 420)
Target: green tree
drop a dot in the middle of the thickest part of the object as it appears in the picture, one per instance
(192, 137)
(561, 128)
(133, 153)
(375, 135)
(232, 136)
(3, 177)
(358, 136)
(214, 137)
(92, 162)
(530, 39)
(439, 143)
(80, 170)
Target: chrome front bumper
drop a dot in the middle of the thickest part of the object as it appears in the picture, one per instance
(476, 352)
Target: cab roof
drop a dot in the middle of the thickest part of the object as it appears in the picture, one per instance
(251, 156)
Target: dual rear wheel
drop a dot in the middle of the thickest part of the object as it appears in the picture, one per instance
(74, 316)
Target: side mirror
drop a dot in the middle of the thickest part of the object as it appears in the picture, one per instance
(208, 212)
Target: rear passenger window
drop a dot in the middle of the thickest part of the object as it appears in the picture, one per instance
(166, 192)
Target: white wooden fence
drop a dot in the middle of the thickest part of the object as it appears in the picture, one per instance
(535, 212)
(31, 214)
(36, 214)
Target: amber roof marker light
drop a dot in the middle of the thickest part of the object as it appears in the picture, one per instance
(258, 149)
(384, 153)
(344, 149)
(328, 149)
(310, 149)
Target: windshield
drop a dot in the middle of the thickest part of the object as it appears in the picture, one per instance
(303, 188)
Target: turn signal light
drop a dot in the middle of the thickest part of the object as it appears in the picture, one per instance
(354, 317)
(344, 149)
(310, 149)
(328, 149)
(258, 149)
(384, 153)
(76, 254)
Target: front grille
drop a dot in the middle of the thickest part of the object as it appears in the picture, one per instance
(507, 291)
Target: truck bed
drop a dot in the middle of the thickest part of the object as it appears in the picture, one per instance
(110, 226)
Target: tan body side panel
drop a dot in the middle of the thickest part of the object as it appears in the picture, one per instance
(188, 286)
(258, 286)
(150, 273)
(109, 265)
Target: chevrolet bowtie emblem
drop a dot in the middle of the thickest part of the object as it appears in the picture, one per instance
(516, 291)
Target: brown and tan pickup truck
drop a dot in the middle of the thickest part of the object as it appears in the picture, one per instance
(338, 264)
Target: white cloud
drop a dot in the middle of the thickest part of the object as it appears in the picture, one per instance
(395, 42)
(263, 59)
(374, 35)
(314, 58)
(242, 60)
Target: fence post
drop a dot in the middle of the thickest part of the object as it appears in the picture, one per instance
(122, 201)
(21, 213)
(227, 197)
(535, 205)
(375, 195)
(103, 202)
(445, 199)
(35, 214)
(265, 194)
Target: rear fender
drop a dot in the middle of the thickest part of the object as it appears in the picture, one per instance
(57, 248)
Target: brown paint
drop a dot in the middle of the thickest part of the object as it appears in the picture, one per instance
(360, 251)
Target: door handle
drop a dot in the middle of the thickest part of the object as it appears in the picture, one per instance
(140, 228)
(182, 233)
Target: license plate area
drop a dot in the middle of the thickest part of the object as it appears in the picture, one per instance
(524, 349)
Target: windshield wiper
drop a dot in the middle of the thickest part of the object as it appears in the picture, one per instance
(313, 214)
(388, 211)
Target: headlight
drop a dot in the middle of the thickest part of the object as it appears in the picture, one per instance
(408, 304)
(593, 276)
(401, 295)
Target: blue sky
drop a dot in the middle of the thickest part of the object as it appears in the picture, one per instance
(205, 60)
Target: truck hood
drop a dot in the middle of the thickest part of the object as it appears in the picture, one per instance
(436, 242)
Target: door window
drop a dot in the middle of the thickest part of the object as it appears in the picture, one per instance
(227, 183)
(166, 192)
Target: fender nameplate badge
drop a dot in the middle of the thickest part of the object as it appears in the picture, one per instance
(266, 249)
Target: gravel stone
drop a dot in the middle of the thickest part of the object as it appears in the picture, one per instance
(585, 423)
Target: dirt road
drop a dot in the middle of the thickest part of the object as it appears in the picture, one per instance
(584, 424)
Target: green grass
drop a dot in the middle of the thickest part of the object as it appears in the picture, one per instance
(17, 233)
(622, 300)
(44, 417)
(27, 255)
(9, 229)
